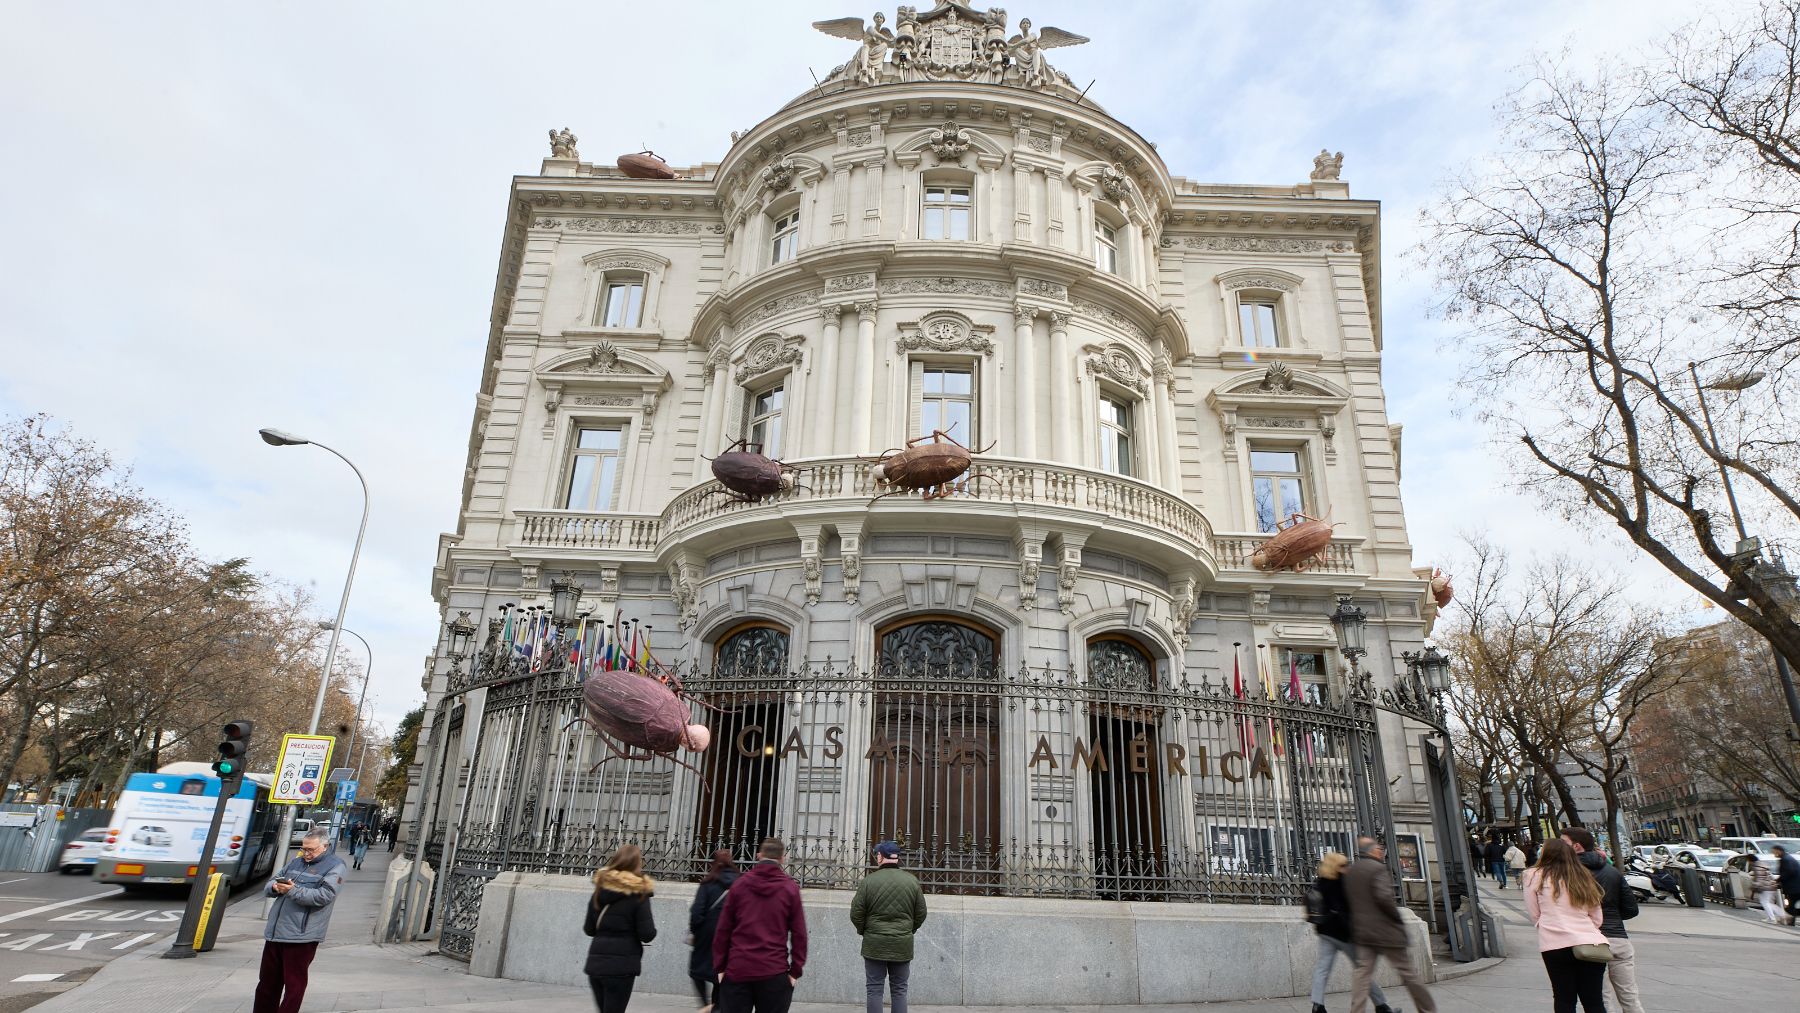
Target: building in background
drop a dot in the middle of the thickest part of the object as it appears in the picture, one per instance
(1064, 680)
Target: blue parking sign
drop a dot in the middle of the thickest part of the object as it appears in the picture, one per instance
(347, 791)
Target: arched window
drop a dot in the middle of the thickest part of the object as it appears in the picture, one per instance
(934, 771)
(754, 649)
(1127, 824)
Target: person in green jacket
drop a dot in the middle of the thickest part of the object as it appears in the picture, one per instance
(888, 908)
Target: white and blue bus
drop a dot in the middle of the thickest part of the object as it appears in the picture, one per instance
(160, 823)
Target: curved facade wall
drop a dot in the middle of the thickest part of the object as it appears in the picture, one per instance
(1152, 372)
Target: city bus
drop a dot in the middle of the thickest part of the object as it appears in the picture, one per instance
(156, 831)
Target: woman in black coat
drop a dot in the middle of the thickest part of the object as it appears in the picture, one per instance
(703, 920)
(618, 917)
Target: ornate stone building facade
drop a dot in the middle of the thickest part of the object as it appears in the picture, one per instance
(1154, 373)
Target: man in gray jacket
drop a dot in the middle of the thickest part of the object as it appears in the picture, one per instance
(303, 892)
(1376, 927)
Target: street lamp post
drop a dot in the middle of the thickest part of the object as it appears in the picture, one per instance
(368, 671)
(1749, 548)
(277, 438)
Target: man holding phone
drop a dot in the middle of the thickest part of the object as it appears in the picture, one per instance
(303, 892)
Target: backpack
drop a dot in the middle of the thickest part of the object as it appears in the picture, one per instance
(1315, 906)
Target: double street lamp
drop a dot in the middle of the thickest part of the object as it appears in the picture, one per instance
(277, 438)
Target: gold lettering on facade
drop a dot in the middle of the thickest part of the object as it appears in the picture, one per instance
(1096, 760)
(1042, 752)
(794, 745)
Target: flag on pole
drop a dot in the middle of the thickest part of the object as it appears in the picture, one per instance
(1268, 685)
(1237, 690)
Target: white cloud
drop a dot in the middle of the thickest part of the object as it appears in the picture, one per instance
(225, 216)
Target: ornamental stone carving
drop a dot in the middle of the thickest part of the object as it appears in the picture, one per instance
(1111, 316)
(1044, 289)
(1117, 365)
(1261, 281)
(1114, 185)
(779, 176)
(768, 353)
(814, 573)
(1252, 244)
(1327, 166)
(850, 283)
(949, 142)
(604, 358)
(1277, 379)
(562, 144)
(852, 576)
(860, 138)
(949, 42)
(946, 332)
(628, 226)
(604, 401)
(763, 311)
(945, 286)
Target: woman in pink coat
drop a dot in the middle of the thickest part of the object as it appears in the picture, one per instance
(1563, 900)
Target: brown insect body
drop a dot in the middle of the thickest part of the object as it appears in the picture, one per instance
(632, 711)
(645, 165)
(928, 467)
(1441, 589)
(1295, 547)
(747, 475)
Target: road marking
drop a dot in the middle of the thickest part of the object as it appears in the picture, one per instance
(21, 879)
(134, 940)
(16, 915)
(37, 977)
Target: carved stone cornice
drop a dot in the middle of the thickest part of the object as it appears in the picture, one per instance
(767, 354)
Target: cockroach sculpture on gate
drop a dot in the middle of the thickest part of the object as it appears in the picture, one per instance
(928, 468)
(631, 710)
(747, 476)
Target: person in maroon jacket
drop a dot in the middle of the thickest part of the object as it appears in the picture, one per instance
(759, 948)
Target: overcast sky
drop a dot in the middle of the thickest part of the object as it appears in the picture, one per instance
(216, 217)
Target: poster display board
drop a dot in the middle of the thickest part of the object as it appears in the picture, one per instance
(1410, 851)
(300, 769)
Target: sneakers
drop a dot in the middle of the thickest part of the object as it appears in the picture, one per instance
(1319, 1008)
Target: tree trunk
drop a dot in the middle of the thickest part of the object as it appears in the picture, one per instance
(15, 746)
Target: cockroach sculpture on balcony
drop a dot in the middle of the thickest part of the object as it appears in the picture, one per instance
(1295, 547)
(631, 710)
(748, 476)
(929, 468)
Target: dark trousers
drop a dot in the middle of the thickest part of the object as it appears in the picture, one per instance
(764, 995)
(705, 988)
(1572, 980)
(878, 974)
(611, 992)
(281, 982)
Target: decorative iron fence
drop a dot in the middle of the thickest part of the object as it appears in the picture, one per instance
(1021, 782)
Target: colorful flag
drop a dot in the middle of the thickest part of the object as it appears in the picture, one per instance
(1237, 690)
(1268, 685)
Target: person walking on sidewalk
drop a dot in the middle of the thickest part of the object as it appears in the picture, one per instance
(359, 844)
(703, 921)
(619, 920)
(1762, 884)
(1331, 920)
(392, 830)
(887, 909)
(304, 891)
(759, 947)
(1496, 860)
(1787, 880)
(1563, 900)
(1515, 860)
(1376, 928)
(1617, 903)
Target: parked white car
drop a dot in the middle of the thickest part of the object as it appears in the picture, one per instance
(301, 829)
(1711, 859)
(83, 852)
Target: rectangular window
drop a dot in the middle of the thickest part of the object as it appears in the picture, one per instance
(1115, 436)
(1314, 674)
(765, 421)
(594, 469)
(1106, 248)
(946, 213)
(947, 402)
(787, 238)
(624, 304)
(1277, 485)
(1256, 319)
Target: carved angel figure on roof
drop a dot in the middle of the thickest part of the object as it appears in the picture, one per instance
(865, 66)
(1326, 165)
(1028, 51)
(562, 143)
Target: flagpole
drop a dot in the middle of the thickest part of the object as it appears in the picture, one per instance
(1275, 783)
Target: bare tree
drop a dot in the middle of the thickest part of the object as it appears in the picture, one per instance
(1580, 256)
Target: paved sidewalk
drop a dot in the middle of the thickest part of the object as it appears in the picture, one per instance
(1689, 961)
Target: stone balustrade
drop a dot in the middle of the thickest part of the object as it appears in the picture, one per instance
(1233, 552)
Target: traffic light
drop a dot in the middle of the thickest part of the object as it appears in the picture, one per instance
(230, 764)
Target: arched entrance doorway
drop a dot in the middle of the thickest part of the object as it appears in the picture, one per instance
(742, 770)
(1127, 815)
(934, 771)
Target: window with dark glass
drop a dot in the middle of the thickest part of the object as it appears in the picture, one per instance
(1125, 725)
(946, 213)
(742, 768)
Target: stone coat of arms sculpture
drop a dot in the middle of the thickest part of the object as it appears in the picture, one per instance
(950, 42)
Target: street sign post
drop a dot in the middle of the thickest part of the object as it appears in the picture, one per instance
(301, 768)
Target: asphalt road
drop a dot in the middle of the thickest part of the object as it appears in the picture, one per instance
(56, 930)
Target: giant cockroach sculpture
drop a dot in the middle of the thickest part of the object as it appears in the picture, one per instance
(747, 476)
(629, 710)
(928, 468)
(1295, 547)
(1441, 589)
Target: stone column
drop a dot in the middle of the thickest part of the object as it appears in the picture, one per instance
(1062, 388)
(1163, 379)
(824, 435)
(718, 395)
(1021, 202)
(1053, 213)
(840, 201)
(872, 183)
(862, 394)
(1024, 440)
